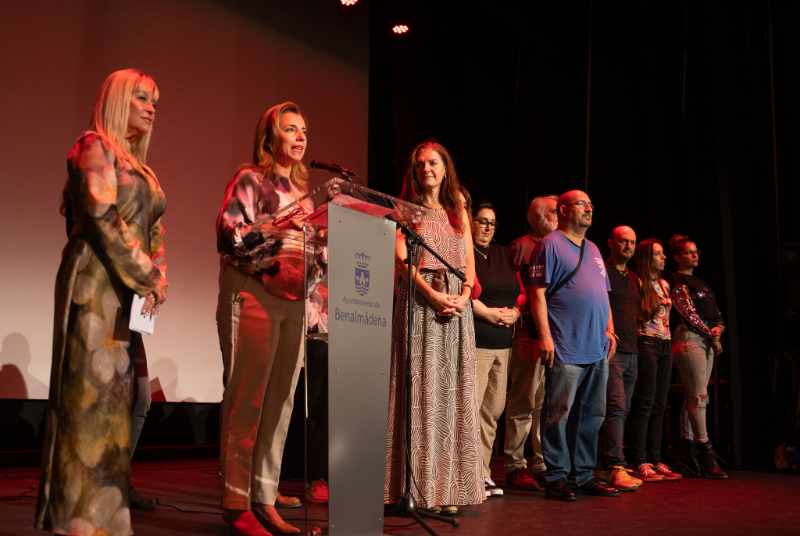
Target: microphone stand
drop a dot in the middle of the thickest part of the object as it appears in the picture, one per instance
(407, 505)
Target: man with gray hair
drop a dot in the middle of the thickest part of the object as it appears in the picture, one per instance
(526, 374)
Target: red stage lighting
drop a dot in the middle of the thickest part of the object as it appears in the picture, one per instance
(400, 29)
(349, 2)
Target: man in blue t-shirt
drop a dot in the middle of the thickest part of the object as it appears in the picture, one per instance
(576, 336)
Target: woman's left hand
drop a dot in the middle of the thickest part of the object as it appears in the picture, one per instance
(717, 347)
(510, 317)
(456, 304)
(155, 298)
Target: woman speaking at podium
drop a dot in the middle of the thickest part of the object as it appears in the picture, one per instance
(445, 452)
(260, 320)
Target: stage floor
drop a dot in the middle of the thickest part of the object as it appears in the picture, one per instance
(748, 503)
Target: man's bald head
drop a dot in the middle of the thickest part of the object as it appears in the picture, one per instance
(622, 243)
(622, 230)
(571, 197)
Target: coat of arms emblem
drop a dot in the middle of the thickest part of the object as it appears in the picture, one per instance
(362, 273)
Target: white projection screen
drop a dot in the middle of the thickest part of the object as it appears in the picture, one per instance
(219, 66)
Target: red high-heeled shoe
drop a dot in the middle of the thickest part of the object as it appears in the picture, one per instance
(244, 523)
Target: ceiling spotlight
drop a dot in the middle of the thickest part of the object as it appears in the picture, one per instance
(399, 29)
(349, 2)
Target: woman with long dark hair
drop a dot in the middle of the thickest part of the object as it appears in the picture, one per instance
(113, 203)
(646, 421)
(445, 452)
(260, 319)
(694, 346)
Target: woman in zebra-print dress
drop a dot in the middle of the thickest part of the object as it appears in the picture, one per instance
(445, 437)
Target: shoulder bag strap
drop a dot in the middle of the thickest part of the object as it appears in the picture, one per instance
(570, 276)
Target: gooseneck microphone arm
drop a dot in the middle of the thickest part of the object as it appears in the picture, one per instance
(334, 168)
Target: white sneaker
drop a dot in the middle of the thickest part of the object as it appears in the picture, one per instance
(491, 488)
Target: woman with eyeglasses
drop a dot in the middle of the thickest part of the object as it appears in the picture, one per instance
(649, 401)
(445, 437)
(694, 344)
(498, 299)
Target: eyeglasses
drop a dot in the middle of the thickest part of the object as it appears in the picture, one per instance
(582, 205)
(487, 223)
(690, 253)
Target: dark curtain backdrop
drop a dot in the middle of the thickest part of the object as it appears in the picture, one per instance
(680, 140)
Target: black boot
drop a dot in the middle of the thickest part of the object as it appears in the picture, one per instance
(708, 462)
(137, 502)
(687, 459)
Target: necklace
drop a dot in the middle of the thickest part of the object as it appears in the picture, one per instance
(623, 272)
(484, 255)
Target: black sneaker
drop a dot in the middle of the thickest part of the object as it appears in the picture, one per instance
(560, 491)
(594, 487)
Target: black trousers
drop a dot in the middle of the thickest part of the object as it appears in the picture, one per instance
(317, 410)
(646, 420)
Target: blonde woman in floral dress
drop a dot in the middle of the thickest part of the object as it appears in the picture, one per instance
(115, 250)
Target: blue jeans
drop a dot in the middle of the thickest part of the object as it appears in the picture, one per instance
(622, 371)
(573, 411)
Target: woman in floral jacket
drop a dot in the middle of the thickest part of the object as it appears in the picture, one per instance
(261, 318)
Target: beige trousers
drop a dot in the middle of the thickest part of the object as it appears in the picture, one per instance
(261, 338)
(525, 399)
(492, 385)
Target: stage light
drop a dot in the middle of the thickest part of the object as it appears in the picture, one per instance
(349, 2)
(400, 29)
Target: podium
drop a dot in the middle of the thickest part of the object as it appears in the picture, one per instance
(349, 245)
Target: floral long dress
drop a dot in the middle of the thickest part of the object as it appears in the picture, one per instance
(446, 456)
(115, 250)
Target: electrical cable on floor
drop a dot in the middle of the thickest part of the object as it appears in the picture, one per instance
(23, 495)
(189, 511)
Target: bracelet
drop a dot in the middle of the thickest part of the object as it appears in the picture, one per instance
(615, 335)
(471, 290)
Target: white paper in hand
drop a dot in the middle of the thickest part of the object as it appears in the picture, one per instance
(140, 323)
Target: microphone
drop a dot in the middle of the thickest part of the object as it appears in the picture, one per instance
(333, 168)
